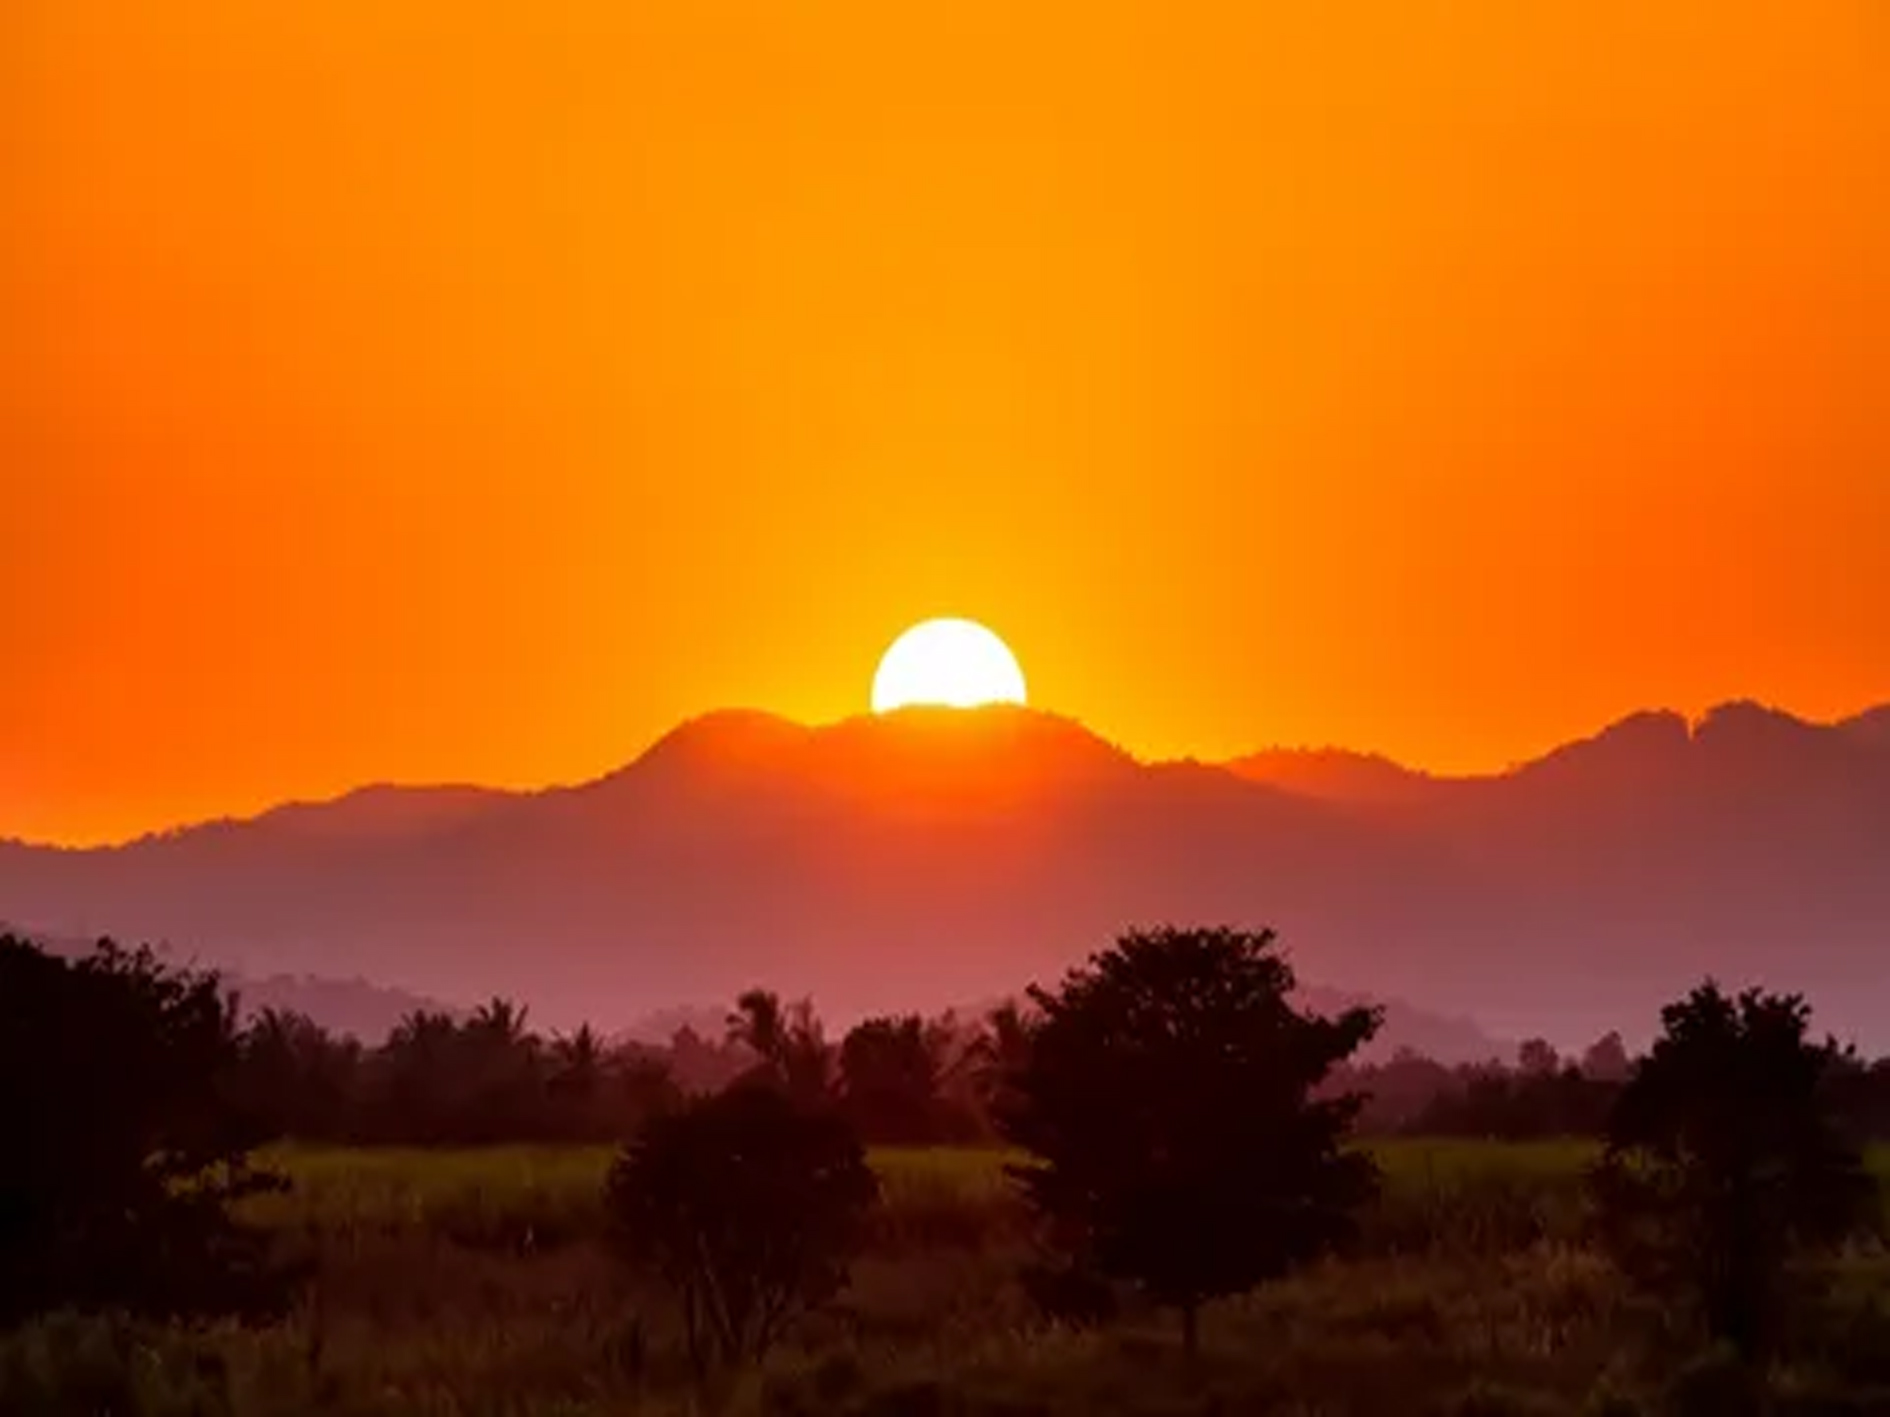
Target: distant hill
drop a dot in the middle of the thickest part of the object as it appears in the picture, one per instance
(350, 1006)
(1441, 1038)
(347, 1006)
(931, 856)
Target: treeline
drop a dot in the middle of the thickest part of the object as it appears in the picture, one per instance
(440, 1080)
(1541, 1096)
(487, 1077)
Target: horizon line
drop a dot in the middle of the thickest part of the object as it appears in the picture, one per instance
(240, 817)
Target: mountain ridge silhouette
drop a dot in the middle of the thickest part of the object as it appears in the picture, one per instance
(908, 860)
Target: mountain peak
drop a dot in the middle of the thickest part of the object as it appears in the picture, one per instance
(1749, 718)
(725, 738)
(1635, 746)
(995, 752)
(921, 756)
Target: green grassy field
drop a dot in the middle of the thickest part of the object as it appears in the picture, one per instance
(476, 1282)
(541, 1196)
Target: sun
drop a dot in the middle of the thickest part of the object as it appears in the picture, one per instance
(949, 662)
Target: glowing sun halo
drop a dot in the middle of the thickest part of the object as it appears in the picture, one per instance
(952, 663)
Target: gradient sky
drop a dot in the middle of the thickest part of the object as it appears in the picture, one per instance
(410, 390)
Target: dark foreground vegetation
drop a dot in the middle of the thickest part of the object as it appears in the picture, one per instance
(1155, 1199)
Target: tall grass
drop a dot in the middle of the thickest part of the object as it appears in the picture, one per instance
(472, 1282)
(1463, 1196)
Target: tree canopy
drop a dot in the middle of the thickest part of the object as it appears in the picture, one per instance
(124, 1146)
(1167, 1100)
(1723, 1159)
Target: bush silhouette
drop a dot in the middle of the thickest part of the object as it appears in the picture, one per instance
(892, 1081)
(124, 1150)
(749, 1207)
(1166, 1095)
(1722, 1160)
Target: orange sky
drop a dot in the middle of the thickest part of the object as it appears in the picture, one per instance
(411, 390)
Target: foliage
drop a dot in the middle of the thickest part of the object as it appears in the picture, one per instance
(1537, 1058)
(749, 1208)
(903, 1081)
(890, 1080)
(1166, 1099)
(293, 1078)
(438, 1080)
(442, 1081)
(998, 1053)
(1538, 1101)
(788, 1040)
(124, 1150)
(484, 1080)
(1606, 1060)
(1722, 1160)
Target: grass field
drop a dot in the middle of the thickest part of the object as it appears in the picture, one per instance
(476, 1282)
(1461, 1193)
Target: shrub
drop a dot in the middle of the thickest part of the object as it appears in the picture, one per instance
(749, 1208)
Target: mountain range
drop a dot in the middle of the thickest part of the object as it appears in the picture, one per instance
(927, 857)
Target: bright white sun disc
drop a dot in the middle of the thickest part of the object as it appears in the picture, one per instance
(951, 663)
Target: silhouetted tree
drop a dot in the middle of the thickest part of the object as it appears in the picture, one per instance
(749, 1207)
(1860, 1095)
(643, 1085)
(700, 1065)
(575, 1076)
(788, 1040)
(1003, 1044)
(295, 1079)
(890, 1080)
(1166, 1097)
(993, 1056)
(1722, 1160)
(577, 1064)
(121, 1150)
(502, 1070)
(1607, 1060)
(420, 1093)
(440, 1082)
(1496, 1105)
(1537, 1057)
(956, 1047)
(1395, 1093)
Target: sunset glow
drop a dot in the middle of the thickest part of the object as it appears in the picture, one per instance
(404, 391)
(951, 663)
